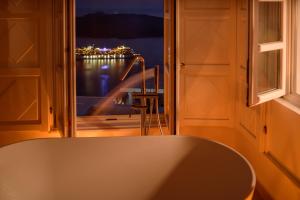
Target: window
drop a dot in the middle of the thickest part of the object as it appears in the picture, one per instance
(268, 43)
(294, 91)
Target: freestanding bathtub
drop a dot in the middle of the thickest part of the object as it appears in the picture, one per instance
(125, 168)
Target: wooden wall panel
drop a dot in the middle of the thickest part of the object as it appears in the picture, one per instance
(283, 143)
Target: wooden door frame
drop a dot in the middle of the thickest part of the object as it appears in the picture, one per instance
(177, 72)
(170, 10)
(70, 63)
(64, 43)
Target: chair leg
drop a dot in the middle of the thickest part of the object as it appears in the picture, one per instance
(158, 118)
(151, 111)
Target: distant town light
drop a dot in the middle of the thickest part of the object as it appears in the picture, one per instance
(92, 52)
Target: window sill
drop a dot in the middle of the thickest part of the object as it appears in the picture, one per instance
(287, 103)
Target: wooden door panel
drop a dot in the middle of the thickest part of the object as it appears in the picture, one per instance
(20, 99)
(19, 39)
(18, 6)
(25, 64)
(207, 46)
(205, 4)
(201, 49)
(206, 97)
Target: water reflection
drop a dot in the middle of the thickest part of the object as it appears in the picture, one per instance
(97, 79)
(103, 83)
(99, 84)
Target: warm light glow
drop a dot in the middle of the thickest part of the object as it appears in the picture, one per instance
(92, 52)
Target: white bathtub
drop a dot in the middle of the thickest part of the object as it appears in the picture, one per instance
(125, 168)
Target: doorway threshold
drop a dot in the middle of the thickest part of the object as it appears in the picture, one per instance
(114, 125)
(114, 122)
(107, 122)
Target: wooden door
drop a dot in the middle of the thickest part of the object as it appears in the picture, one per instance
(25, 65)
(206, 62)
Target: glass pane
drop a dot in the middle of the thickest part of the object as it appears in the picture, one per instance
(270, 22)
(268, 72)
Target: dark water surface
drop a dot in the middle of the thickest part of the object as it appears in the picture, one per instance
(98, 77)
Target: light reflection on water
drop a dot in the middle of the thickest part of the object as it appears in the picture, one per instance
(97, 78)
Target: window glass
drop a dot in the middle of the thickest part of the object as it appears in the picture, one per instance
(268, 71)
(270, 22)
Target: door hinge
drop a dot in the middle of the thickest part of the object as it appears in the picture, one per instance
(265, 130)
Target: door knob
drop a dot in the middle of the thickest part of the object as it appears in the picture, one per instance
(182, 65)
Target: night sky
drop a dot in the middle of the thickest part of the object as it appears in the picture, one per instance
(148, 7)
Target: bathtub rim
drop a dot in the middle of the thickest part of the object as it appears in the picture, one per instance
(253, 182)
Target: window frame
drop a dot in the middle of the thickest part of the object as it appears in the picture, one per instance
(294, 76)
(255, 48)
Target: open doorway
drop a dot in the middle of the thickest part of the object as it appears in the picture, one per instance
(109, 34)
